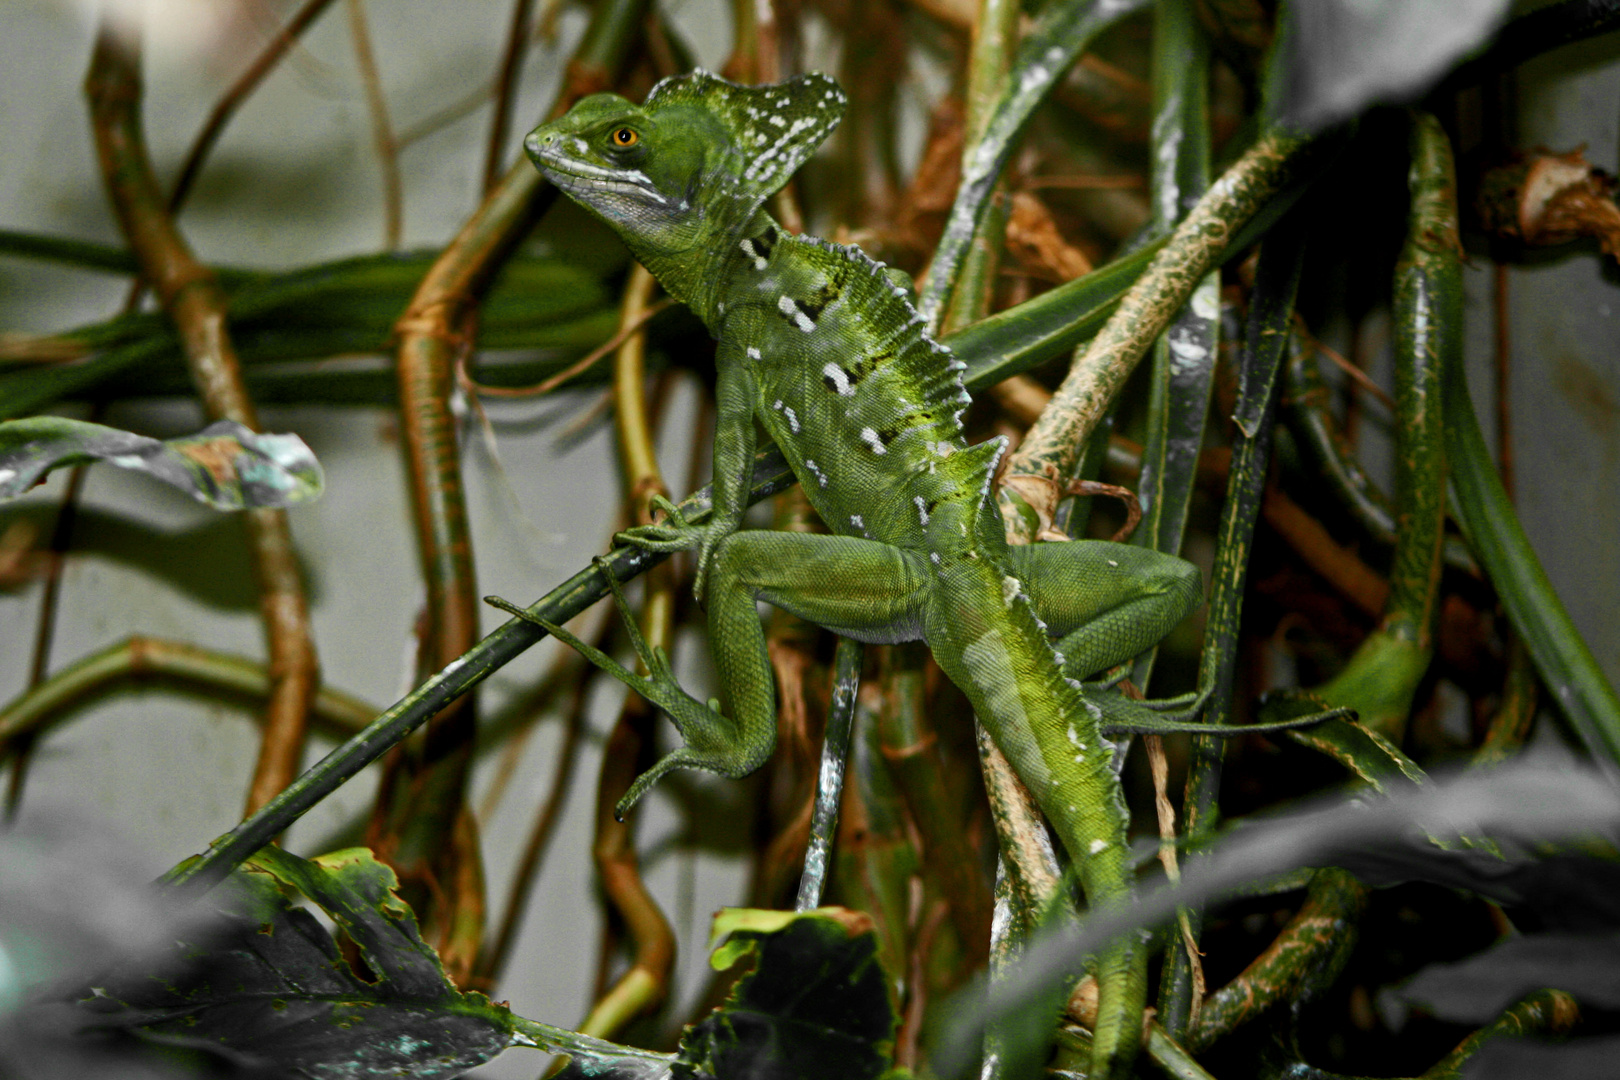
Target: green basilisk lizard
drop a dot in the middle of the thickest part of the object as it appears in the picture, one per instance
(823, 346)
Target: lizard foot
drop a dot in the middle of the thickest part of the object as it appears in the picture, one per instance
(1179, 715)
(672, 534)
(676, 533)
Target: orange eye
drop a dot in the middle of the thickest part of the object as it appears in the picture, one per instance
(624, 138)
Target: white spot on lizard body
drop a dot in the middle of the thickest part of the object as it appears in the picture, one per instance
(839, 378)
(787, 307)
(871, 439)
(748, 250)
(1009, 590)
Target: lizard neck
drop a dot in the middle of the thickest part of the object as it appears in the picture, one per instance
(701, 275)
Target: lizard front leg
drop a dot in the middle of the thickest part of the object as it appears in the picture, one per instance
(733, 468)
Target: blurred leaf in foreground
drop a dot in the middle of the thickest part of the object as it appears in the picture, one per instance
(1476, 989)
(1344, 55)
(1523, 809)
(268, 983)
(74, 901)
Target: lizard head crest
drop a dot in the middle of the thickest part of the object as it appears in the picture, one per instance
(702, 153)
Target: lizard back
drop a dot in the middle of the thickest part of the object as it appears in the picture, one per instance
(866, 406)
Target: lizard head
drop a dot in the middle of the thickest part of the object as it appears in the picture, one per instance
(696, 160)
(632, 167)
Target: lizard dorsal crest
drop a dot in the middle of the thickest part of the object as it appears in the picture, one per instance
(774, 128)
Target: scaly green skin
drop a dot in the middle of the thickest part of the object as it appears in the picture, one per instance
(823, 346)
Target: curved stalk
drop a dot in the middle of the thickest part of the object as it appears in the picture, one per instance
(192, 297)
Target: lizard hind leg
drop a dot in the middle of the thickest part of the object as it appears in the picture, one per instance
(693, 718)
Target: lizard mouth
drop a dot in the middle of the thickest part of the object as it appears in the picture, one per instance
(573, 175)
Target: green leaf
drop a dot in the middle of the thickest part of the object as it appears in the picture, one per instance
(225, 465)
(816, 1004)
(1563, 659)
(1373, 759)
(269, 982)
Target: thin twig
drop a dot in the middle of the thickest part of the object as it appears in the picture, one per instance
(382, 131)
(1166, 814)
(577, 367)
(1360, 377)
(443, 117)
(233, 98)
(194, 300)
(45, 625)
(1133, 505)
(517, 40)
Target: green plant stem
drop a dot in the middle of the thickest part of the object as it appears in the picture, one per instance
(1562, 657)
(1097, 374)
(192, 297)
(876, 857)
(846, 678)
(1319, 938)
(1183, 366)
(43, 706)
(1543, 1012)
(1515, 714)
(1381, 678)
(1270, 312)
(910, 746)
(1171, 1056)
(995, 36)
(1183, 358)
(646, 982)
(1062, 33)
(1271, 308)
(1313, 423)
(421, 801)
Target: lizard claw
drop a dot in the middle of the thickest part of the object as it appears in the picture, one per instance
(674, 533)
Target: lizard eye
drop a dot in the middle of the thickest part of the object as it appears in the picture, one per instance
(624, 138)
